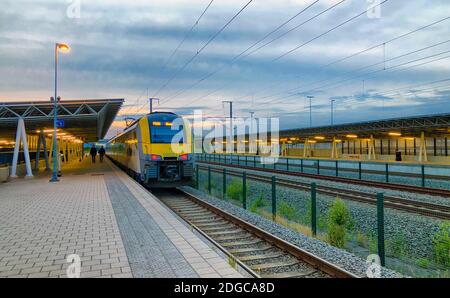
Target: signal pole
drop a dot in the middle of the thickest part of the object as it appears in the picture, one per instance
(151, 99)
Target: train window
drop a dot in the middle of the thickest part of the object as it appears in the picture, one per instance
(164, 134)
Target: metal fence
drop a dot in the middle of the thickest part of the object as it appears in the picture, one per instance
(240, 198)
(433, 176)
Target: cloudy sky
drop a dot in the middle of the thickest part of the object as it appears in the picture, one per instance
(125, 49)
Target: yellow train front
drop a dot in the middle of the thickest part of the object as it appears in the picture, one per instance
(156, 150)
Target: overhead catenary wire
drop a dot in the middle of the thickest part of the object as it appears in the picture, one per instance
(211, 39)
(356, 54)
(392, 67)
(182, 42)
(241, 54)
(326, 32)
(188, 33)
(355, 71)
(277, 100)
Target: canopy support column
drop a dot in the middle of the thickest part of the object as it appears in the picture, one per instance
(334, 150)
(21, 136)
(306, 148)
(41, 141)
(371, 149)
(423, 157)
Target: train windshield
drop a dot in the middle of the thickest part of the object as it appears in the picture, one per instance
(164, 128)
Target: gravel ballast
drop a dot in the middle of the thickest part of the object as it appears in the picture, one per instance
(414, 231)
(334, 255)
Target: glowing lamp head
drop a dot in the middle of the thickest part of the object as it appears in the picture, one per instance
(62, 47)
(395, 134)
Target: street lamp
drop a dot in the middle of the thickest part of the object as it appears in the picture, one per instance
(64, 48)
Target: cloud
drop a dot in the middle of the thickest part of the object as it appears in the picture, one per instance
(119, 49)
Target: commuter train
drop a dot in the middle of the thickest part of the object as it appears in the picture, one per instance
(156, 150)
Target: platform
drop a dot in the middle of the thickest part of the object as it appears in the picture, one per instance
(116, 226)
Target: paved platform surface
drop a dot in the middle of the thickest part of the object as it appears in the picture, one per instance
(116, 226)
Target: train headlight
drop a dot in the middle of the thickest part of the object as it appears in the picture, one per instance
(155, 157)
(185, 156)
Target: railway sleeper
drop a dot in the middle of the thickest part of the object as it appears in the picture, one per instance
(265, 266)
(233, 231)
(290, 274)
(213, 229)
(208, 224)
(238, 251)
(260, 257)
(248, 242)
(233, 237)
(206, 217)
(190, 208)
(198, 212)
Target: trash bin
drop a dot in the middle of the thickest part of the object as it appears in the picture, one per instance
(398, 156)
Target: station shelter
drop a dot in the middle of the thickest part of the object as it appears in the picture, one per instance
(412, 139)
(26, 131)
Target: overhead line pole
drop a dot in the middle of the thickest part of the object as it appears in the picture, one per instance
(231, 138)
(151, 99)
(332, 111)
(310, 109)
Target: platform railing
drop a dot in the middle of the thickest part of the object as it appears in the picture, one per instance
(422, 175)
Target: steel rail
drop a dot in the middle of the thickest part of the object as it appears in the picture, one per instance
(314, 261)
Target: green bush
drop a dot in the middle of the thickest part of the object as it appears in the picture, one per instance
(256, 204)
(339, 221)
(397, 246)
(234, 191)
(362, 239)
(322, 222)
(441, 242)
(287, 211)
(424, 263)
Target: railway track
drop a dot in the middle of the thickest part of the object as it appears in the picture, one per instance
(258, 252)
(401, 204)
(393, 186)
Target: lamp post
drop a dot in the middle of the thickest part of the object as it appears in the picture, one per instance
(63, 48)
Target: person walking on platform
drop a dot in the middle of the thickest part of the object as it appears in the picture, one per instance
(101, 152)
(93, 153)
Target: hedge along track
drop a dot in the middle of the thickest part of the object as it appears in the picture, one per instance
(401, 204)
(257, 251)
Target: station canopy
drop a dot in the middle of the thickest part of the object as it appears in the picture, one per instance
(87, 119)
(432, 125)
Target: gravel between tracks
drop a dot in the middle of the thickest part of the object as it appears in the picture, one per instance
(413, 230)
(368, 189)
(337, 256)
